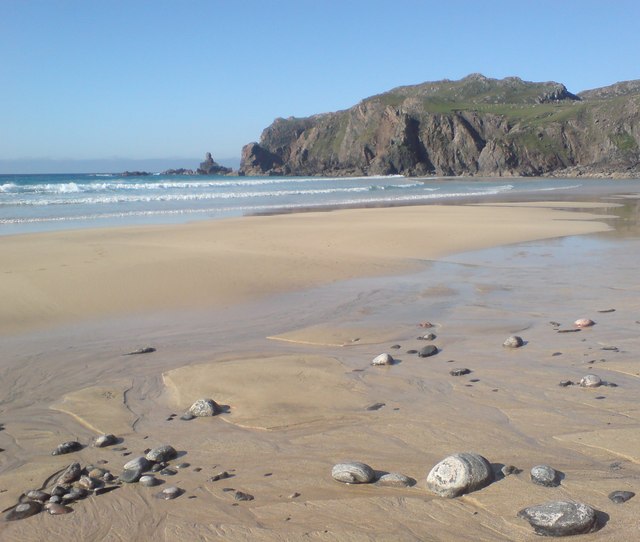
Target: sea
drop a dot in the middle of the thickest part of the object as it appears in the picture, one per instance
(39, 203)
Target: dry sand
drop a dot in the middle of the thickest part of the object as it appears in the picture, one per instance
(267, 316)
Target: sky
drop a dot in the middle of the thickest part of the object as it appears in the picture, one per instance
(121, 81)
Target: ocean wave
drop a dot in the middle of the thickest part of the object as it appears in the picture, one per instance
(125, 184)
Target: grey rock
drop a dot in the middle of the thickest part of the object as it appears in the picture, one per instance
(459, 372)
(148, 481)
(427, 351)
(353, 472)
(427, 337)
(204, 407)
(242, 496)
(37, 495)
(105, 440)
(70, 474)
(143, 350)
(590, 381)
(375, 406)
(165, 452)
(130, 476)
(382, 359)
(544, 475)
(513, 342)
(395, 479)
(565, 383)
(86, 482)
(507, 470)
(140, 463)
(169, 493)
(67, 447)
(23, 510)
(187, 416)
(220, 476)
(560, 518)
(459, 474)
(620, 497)
(75, 494)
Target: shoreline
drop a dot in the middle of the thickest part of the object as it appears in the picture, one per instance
(292, 362)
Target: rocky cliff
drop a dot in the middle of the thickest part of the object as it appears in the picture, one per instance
(475, 126)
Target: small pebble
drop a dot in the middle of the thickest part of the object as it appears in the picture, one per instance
(395, 347)
(544, 475)
(459, 372)
(508, 470)
(56, 509)
(513, 342)
(583, 322)
(241, 496)
(168, 472)
(427, 351)
(565, 383)
(375, 406)
(149, 481)
(382, 359)
(169, 493)
(590, 381)
(395, 479)
(220, 476)
(294, 495)
(620, 497)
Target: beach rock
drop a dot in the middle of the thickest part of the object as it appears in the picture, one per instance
(353, 472)
(105, 440)
(56, 509)
(459, 372)
(183, 465)
(37, 495)
(427, 351)
(168, 472)
(396, 346)
(427, 337)
(425, 324)
(382, 359)
(204, 407)
(162, 453)
(140, 463)
(242, 496)
(86, 482)
(544, 475)
(59, 491)
(565, 383)
(412, 351)
(148, 481)
(395, 479)
(67, 447)
(23, 510)
(74, 494)
(513, 342)
(130, 476)
(70, 474)
(459, 474)
(143, 350)
(508, 470)
(590, 381)
(583, 322)
(220, 476)
(560, 518)
(620, 497)
(375, 406)
(169, 493)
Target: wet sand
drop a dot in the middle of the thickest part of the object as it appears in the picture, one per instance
(279, 318)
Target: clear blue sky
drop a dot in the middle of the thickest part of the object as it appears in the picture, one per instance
(83, 79)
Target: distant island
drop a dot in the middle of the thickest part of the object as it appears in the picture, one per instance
(208, 167)
(476, 126)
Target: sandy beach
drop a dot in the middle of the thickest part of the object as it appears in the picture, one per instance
(278, 318)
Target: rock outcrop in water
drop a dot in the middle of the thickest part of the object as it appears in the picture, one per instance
(211, 167)
(475, 126)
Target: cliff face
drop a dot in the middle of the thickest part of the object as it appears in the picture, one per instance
(475, 126)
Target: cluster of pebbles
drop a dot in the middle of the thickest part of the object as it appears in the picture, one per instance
(77, 482)
(466, 472)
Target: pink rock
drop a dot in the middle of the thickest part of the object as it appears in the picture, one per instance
(583, 322)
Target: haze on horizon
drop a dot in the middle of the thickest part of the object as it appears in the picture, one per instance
(131, 83)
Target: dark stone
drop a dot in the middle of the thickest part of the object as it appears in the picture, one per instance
(395, 346)
(70, 474)
(620, 497)
(565, 383)
(241, 496)
(67, 447)
(143, 350)
(412, 351)
(459, 372)
(23, 510)
(220, 476)
(130, 476)
(162, 453)
(507, 470)
(544, 475)
(427, 351)
(375, 406)
(168, 472)
(560, 518)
